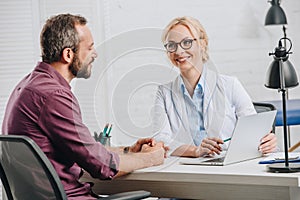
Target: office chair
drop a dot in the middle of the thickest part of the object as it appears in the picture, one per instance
(26, 173)
(264, 107)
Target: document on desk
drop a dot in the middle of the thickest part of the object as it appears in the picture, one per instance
(279, 158)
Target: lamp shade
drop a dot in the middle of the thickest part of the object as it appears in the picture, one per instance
(273, 75)
(275, 15)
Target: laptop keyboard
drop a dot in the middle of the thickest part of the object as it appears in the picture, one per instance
(216, 160)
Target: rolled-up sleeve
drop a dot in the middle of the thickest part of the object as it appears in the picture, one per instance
(61, 120)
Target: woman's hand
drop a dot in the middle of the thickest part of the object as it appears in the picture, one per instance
(209, 146)
(268, 143)
(212, 145)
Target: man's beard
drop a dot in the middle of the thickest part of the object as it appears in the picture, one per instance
(79, 69)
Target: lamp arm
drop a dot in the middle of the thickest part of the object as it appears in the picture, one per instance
(283, 90)
(286, 155)
(284, 34)
(284, 31)
(281, 76)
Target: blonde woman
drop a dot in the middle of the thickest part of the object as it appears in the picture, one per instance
(198, 110)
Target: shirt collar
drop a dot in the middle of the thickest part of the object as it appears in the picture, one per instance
(200, 84)
(47, 68)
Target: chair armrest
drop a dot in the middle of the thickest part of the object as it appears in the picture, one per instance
(139, 194)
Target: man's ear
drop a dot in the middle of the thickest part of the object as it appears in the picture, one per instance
(67, 55)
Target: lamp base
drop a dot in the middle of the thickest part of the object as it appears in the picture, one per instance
(281, 168)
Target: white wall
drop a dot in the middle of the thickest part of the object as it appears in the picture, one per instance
(131, 60)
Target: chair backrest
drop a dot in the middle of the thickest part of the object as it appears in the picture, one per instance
(264, 107)
(26, 172)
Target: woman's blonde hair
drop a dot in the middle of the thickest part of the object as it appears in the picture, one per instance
(196, 29)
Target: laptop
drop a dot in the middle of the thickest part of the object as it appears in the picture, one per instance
(244, 142)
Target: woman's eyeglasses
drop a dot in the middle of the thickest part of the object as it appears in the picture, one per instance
(185, 44)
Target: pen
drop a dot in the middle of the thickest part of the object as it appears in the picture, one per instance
(105, 129)
(107, 134)
(226, 140)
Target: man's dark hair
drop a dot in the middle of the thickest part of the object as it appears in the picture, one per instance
(59, 33)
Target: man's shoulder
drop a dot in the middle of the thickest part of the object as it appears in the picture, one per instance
(44, 85)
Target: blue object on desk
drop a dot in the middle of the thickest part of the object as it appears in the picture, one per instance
(277, 161)
(292, 112)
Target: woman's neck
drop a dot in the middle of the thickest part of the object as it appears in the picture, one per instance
(191, 78)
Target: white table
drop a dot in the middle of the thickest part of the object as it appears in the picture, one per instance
(245, 180)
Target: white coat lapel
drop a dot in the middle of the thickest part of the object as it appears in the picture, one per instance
(179, 104)
(214, 104)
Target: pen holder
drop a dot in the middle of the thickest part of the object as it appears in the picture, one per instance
(105, 140)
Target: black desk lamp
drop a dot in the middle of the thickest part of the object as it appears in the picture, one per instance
(282, 75)
(276, 16)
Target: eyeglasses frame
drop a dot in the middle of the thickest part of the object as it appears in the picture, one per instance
(179, 43)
